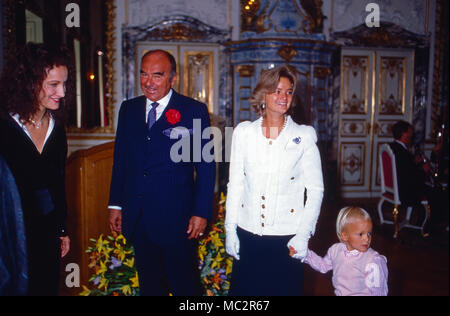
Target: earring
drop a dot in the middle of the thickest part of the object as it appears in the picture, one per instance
(263, 106)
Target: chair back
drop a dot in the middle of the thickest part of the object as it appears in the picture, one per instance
(389, 184)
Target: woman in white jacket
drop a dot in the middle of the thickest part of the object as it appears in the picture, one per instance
(273, 161)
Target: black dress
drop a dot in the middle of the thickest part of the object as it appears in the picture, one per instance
(40, 180)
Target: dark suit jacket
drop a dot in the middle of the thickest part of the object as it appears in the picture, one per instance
(147, 184)
(411, 178)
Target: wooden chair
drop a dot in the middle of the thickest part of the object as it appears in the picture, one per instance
(389, 193)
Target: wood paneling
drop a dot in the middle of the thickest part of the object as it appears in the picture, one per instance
(88, 176)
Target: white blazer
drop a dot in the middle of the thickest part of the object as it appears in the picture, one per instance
(268, 179)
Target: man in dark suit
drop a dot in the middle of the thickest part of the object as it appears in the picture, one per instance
(411, 170)
(154, 198)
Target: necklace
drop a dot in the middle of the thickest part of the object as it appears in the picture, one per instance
(37, 125)
(282, 127)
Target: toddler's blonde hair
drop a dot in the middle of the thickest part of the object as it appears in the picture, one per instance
(350, 214)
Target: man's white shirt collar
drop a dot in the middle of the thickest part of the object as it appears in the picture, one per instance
(403, 145)
(161, 107)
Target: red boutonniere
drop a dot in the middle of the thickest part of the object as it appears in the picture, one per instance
(173, 116)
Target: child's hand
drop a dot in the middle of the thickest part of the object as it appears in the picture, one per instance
(292, 251)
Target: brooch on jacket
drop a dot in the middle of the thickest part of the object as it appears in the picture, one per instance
(297, 140)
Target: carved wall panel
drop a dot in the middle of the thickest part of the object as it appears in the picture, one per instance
(354, 128)
(355, 76)
(352, 164)
(392, 86)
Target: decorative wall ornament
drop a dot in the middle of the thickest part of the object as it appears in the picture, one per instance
(245, 70)
(355, 72)
(387, 35)
(287, 52)
(287, 18)
(351, 169)
(392, 85)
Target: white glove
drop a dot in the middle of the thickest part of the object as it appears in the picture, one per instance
(300, 243)
(232, 241)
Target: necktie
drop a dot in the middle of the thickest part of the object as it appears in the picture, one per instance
(151, 119)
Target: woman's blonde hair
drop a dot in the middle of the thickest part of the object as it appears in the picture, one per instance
(268, 83)
(348, 215)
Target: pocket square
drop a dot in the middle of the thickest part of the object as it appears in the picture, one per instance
(177, 132)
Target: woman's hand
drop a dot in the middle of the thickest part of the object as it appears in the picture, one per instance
(232, 241)
(299, 244)
(65, 245)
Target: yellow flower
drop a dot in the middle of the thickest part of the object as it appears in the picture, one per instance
(103, 284)
(85, 292)
(129, 262)
(216, 240)
(101, 244)
(229, 266)
(121, 238)
(103, 268)
(135, 281)
(216, 261)
(126, 290)
(202, 252)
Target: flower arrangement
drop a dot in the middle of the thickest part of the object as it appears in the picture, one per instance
(115, 274)
(215, 264)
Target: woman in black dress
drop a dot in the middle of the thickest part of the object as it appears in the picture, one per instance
(34, 145)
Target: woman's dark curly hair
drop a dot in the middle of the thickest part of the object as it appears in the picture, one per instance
(22, 79)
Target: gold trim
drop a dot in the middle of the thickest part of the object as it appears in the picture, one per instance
(401, 92)
(366, 127)
(287, 52)
(245, 70)
(210, 78)
(395, 214)
(345, 85)
(363, 165)
(372, 118)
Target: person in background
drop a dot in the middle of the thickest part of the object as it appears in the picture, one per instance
(273, 161)
(34, 145)
(412, 171)
(358, 270)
